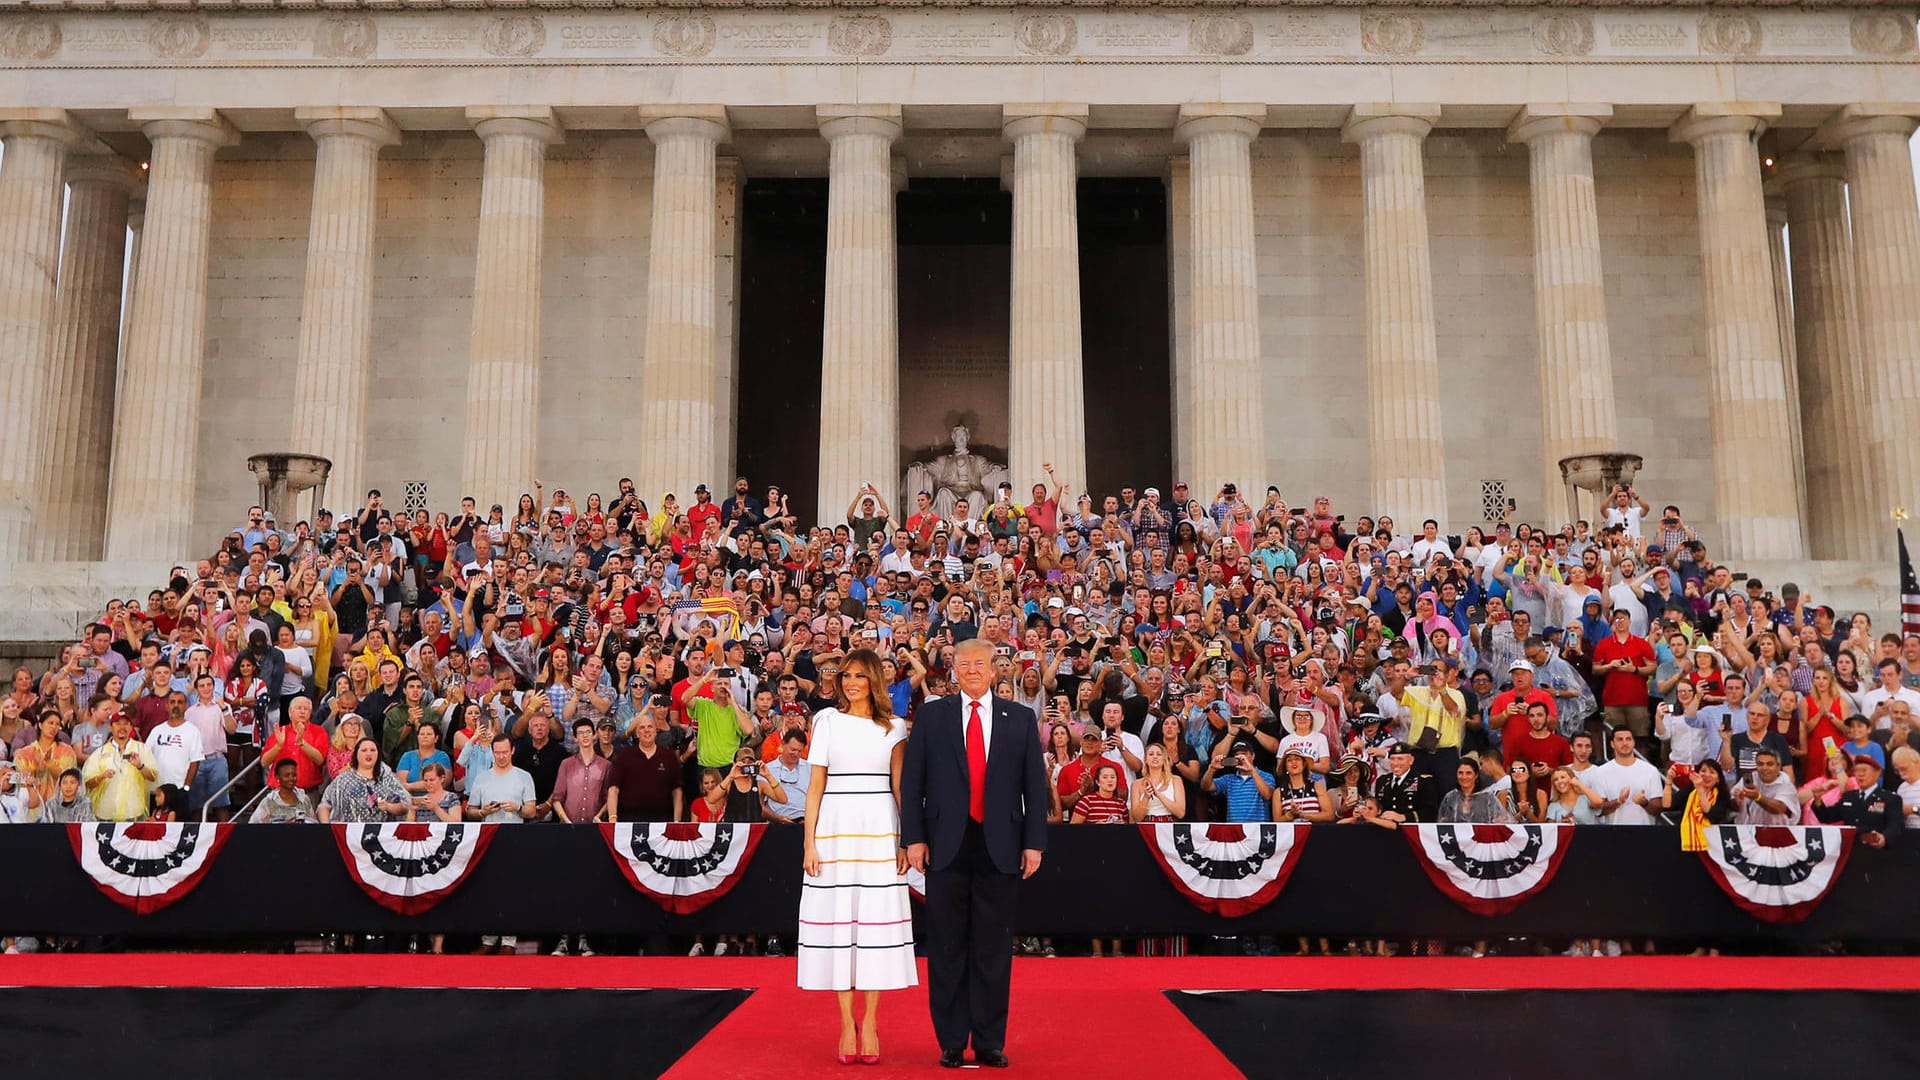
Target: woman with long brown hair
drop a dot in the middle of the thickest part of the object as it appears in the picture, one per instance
(856, 923)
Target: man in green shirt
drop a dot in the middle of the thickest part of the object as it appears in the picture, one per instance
(720, 724)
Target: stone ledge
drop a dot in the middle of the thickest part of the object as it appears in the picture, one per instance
(685, 5)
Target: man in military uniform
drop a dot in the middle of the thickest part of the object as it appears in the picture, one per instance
(1399, 789)
(1872, 810)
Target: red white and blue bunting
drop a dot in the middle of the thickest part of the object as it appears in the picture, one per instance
(410, 867)
(1777, 873)
(1226, 869)
(146, 865)
(1489, 869)
(682, 866)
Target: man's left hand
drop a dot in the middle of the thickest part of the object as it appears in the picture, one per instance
(1029, 862)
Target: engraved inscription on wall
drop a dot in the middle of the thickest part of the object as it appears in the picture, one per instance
(670, 33)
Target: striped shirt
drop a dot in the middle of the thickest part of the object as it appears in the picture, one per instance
(1243, 796)
(1100, 809)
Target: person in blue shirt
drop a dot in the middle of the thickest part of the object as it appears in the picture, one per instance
(1249, 790)
(1860, 742)
(412, 768)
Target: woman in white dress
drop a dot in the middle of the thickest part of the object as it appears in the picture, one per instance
(856, 919)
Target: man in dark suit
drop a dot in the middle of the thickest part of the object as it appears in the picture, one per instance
(973, 815)
(1872, 810)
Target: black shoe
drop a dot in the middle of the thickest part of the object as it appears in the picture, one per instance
(952, 1059)
(992, 1059)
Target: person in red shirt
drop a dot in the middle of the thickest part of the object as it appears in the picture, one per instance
(703, 510)
(697, 662)
(1077, 776)
(1509, 707)
(150, 708)
(1541, 747)
(301, 741)
(1627, 662)
(1044, 512)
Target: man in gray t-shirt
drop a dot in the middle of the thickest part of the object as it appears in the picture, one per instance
(502, 793)
(1766, 796)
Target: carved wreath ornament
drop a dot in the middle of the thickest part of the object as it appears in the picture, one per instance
(686, 36)
(860, 35)
(1221, 35)
(1392, 34)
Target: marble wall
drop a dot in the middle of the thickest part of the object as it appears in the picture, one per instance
(1307, 212)
(1307, 207)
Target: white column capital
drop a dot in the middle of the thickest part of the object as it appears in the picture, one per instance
(1535, 121)
(1370, 119)
(53, 124)
(1056, 118)
(185, 122)
(1870, 118)
(1800, 168)
(879, 120)
(349, 121)
(1724, 118)
(536, 121)
(700, 121)
(1244, 120)
(110, 169)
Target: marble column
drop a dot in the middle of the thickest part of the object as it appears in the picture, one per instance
(336, 312)
(156, 435)
(1569, 291)
(503, 357)
(1403, 355)
(1754, 498)
(35, 149)
(1789, 370)
(860, 341)
(1886, 262)
(86, 358)
(1224, 437)
(1844, 500)
(1048, 414)
(680, 409)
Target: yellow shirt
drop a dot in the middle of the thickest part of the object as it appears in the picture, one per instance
(42, 768)
(127, 794)
(1428, 709)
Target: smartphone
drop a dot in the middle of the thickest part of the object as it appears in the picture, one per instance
(726, 672)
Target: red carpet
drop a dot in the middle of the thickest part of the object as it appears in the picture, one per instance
(1063, 1010)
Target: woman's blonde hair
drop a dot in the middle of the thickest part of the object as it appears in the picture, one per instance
(879, 701)
(340, 740)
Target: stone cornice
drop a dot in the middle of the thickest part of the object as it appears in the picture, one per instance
(166, 6)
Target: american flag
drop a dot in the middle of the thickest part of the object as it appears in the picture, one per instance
(1909, 590)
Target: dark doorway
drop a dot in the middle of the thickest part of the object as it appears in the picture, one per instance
(954, 260)
(783, 274)
(1125, 315)
(956, 251)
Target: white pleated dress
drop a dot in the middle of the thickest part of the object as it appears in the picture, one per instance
(856, 918)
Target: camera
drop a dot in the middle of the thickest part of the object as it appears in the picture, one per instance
(726, 672)
(750, 771)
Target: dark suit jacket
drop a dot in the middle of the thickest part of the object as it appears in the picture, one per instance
(1881, 812)
(935, 793)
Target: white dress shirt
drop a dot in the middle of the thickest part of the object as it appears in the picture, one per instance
(986, 718)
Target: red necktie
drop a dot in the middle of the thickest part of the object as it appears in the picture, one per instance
(976, 766)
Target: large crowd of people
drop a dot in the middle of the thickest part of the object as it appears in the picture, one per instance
(1193, 656)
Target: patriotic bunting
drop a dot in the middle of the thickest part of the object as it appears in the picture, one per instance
(1777, 873)
(146, 865)
(1489, 869)
(683, 867)
(1226, 869)
(409, 867)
